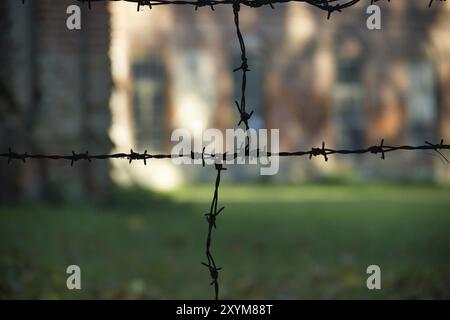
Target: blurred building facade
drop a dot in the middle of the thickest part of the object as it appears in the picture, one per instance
(314, 79)
(55, 88)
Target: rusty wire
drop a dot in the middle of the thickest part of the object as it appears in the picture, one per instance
(329, 6)
(221, 158)
(431, 2)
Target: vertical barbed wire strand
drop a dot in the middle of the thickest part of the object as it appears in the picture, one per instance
(244, 116)
(211, 218)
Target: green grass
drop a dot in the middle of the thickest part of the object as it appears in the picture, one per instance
(295, 242)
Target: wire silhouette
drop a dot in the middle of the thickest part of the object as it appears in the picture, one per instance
(221, 158)
(328, 6)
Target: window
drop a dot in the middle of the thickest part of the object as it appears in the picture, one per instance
(421, 102)
(148, 102)
(349, 99)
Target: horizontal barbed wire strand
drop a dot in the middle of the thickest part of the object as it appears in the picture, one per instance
(326, 5)
(382, 149)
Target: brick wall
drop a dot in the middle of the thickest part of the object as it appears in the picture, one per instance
(60, 83)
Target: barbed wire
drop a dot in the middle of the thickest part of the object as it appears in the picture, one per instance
(431, 2)
(222, 158)
(329, 6)
(211, 217)
(326, 5)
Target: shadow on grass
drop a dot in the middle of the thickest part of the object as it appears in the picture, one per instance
(136, 199)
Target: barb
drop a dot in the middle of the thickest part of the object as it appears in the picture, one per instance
(142, 3)
(436, 148)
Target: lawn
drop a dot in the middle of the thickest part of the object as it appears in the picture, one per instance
(281, 242)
